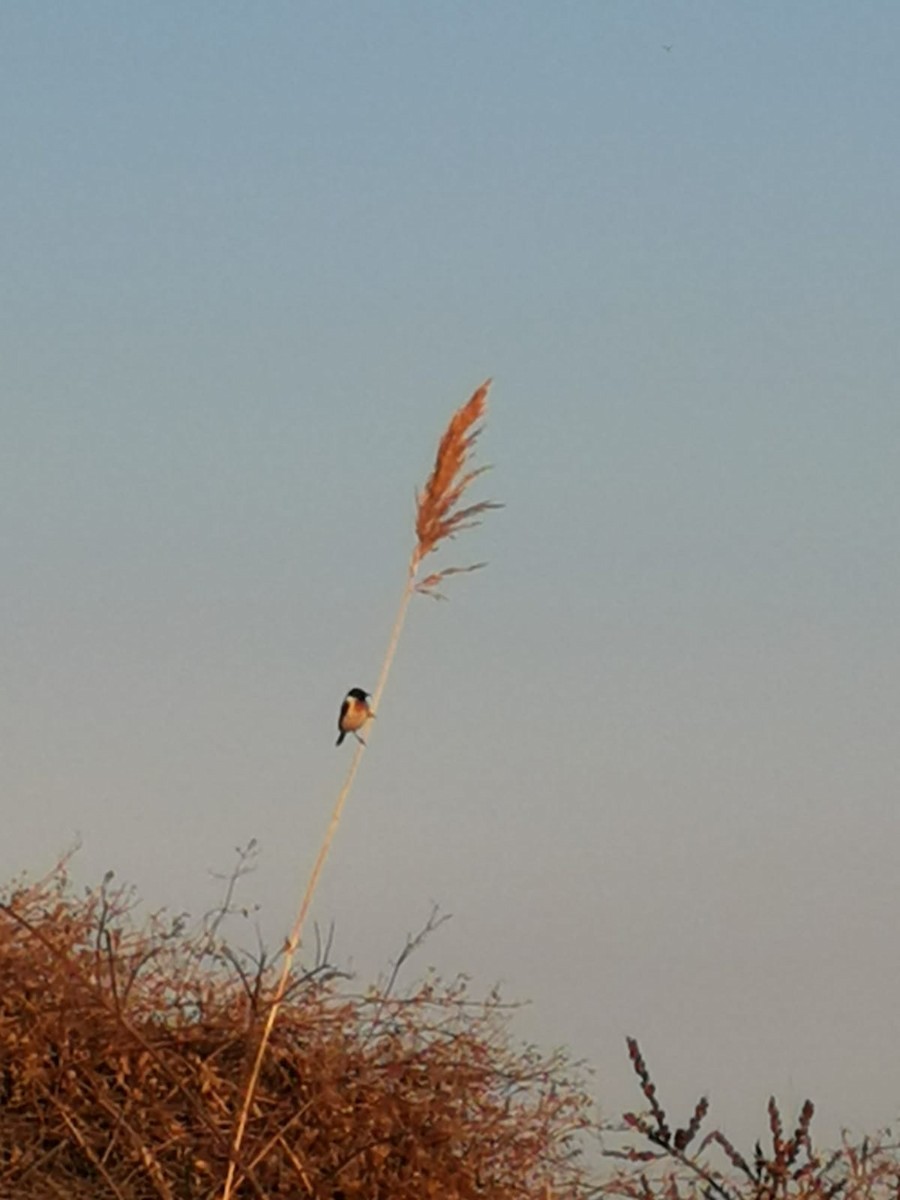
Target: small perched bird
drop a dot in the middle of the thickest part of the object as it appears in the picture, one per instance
(355, 712)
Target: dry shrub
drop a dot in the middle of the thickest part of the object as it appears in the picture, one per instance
(124, 1052)
(791, 1168)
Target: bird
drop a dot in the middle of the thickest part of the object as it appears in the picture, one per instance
(355, 711)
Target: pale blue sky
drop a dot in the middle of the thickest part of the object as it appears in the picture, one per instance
(252, 257)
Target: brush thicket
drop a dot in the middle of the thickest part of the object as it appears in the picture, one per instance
(121, 1066)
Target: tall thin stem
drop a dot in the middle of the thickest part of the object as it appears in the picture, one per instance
(438, 517)
(293, 942)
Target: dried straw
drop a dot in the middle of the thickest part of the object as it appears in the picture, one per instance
(122, 1043)
(438, 518)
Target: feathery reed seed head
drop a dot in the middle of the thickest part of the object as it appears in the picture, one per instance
(438, 515)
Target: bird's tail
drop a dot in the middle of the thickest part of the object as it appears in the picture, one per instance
(341, 737)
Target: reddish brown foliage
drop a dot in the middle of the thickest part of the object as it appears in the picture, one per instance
(792, 1170)
(123, 1054)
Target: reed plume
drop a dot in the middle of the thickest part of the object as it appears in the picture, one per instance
(439, 517)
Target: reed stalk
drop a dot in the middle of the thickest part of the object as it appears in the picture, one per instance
(438, 518)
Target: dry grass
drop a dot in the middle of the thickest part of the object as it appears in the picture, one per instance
(438, 517)
(153, 1063)
(123, 1051)
(438, 512)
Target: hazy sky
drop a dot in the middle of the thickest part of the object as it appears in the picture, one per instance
(251, 258)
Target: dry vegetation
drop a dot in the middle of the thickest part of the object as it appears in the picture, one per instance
(155, 1061)
(124, 1053)
(439, 517)
(680, 1164)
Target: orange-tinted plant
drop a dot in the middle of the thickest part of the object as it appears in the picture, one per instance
(121, 1066)
(439, 516)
